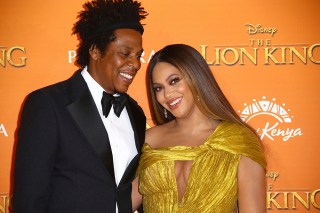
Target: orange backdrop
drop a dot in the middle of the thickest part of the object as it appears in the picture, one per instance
(264, 54)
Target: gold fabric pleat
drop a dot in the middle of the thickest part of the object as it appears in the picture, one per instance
(212, 183)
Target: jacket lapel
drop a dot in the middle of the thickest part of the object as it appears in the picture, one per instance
(84, 112)
(87, 118)
(138, 123)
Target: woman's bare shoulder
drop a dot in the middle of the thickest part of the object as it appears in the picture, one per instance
(154, 135)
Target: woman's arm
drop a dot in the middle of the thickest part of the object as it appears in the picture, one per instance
(135, 195)
(252, 186)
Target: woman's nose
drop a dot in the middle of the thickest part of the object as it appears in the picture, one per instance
(168, 93)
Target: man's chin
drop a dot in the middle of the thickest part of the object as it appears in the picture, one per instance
(122, 89)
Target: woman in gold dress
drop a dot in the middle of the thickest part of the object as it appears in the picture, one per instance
(200, 157)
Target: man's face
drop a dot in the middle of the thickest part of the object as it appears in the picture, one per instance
(116, 69)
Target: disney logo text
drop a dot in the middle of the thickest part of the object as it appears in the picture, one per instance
(252, 30)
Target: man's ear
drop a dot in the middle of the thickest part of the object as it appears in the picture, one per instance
(94, 52)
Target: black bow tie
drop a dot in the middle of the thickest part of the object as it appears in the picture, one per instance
(118, 103)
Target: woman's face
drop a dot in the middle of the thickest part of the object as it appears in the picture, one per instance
(172, 90)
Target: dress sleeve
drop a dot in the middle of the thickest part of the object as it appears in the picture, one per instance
(239, 139)
(251, 146)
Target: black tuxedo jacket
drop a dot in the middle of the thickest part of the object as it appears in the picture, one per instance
(63, 158)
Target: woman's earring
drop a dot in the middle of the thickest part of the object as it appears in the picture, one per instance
(198, 98)
(165, 113)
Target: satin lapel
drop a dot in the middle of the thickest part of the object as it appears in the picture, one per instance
(87, 117)
(138, 122)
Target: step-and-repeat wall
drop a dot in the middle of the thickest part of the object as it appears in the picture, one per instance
(264, 54)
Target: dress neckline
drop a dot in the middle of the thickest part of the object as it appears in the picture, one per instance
(179, 147)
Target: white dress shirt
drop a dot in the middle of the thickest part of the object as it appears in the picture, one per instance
(119, 129)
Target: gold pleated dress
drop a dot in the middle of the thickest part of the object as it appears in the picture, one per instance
(212, 184)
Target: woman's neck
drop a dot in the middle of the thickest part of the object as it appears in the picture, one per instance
(198, 121)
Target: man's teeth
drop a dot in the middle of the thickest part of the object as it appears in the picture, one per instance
(175, 102)
(126, 75)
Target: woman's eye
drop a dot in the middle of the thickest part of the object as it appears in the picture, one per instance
(157, 89)
(174, 81)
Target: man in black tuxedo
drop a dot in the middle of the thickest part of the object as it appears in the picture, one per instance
(79, 140)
